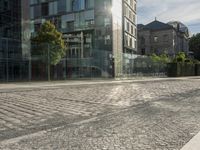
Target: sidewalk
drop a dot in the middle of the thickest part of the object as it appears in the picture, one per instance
(44, 84)
(193, 144)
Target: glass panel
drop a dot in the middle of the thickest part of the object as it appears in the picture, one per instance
(62, 5)
(78, 5)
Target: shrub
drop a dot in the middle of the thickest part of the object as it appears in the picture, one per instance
(189, 61)
(195, 61)
(180, 57)
(160, 59)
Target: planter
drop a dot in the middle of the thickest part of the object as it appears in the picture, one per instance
(188, 69)
(180, 69)
(173, 70)
(197, 69)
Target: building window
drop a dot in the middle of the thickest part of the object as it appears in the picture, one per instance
(133, 19)
(89, 4)
(107, 21)
(6, 6)
(62, 6)
(107, 40)
(126, 39)
(132, 29)
(165, 38)
(155, 39)
(142, 41)
(130, 14)
(34, 2)
(130, 42)
(125, 9)
(53, 8)
(143, 52)
(89, 23)
(106, 5)
(70, 25)
(37, 11)
(45, 9)
(135, 7)
(131, 3)
(127, 26)
(78, 5)
(37, 27)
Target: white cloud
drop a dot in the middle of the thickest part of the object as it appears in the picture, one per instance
(187, 12)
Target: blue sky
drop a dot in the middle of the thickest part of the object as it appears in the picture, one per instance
(186, 11)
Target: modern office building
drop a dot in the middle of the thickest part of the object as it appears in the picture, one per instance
(100, 33)
(14, 38)
(14, 27)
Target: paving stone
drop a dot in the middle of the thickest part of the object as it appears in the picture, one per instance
(150, 115)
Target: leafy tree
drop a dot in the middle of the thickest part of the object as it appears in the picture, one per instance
(50, 44)
(194, 45)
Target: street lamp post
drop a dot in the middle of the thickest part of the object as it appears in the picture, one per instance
(112, 66)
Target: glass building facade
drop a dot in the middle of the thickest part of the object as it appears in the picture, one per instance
(99, 32)
(101, 35)
(14, 39)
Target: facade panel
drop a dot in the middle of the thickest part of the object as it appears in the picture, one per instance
(14, 39)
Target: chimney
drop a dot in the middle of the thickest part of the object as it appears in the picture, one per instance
(178, 27)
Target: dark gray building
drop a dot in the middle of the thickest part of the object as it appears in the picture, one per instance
(99, 32)
(158, 37)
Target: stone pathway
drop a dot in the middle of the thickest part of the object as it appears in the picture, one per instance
(159, 114)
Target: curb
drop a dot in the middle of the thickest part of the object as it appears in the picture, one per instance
(83, 82)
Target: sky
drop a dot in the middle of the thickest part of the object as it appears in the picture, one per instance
(186, 11)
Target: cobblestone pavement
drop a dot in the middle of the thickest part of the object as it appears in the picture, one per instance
(145, 115)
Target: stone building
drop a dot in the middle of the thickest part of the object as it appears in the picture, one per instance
(158, 37)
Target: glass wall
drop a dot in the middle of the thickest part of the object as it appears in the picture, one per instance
(98, 64)
(137, 65)
(12, 66)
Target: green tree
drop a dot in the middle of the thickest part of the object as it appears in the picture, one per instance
(194, 45)
(49, 44)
